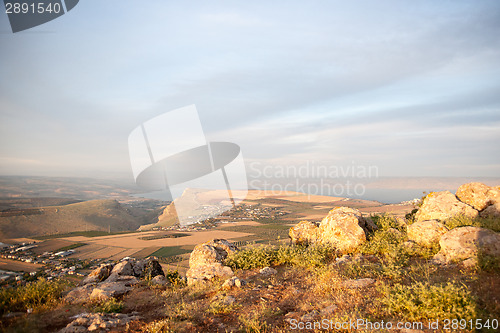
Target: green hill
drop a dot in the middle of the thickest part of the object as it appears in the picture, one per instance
(88, 215)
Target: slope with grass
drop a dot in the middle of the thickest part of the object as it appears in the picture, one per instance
(100, 215)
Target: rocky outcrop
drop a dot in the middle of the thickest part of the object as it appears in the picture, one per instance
(206, 261)
(114, 280)
(426, 233)
(123, 268)
(106, 290)
(151, 269)
(478, 195)
(442, 206)
(345, 228)
(89, 322)
(468, 243)
(99, 274)
(304, 233)
(80, 294)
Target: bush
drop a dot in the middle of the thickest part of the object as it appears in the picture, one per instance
(174, 277)
(410, 217)
(34, 295)
(423, 301)
(263, 256)
(385, 222)
(463, 221)
(110, 305)
(253, 257)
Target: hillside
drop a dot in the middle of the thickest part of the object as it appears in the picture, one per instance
(87, 215)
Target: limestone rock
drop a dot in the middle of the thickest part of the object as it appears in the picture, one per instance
(214, 251)
(206, 261)
(233, 282)
(130, 279)
(159, 280)
(492, 211)
(426, 233)
(266, 271)
(138, 267)
(344, 228)
(79, 294)
(442, 206)
(468, 242)
(123, 268)
(106, 290)
(478, 195)
(99, 274)
(86, 322)
(304, 233)
(152, 268)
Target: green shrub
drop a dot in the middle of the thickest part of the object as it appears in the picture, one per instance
(488, 263)
(422, 301)
(263, 256)
(463, 221)
(111, 305)
(386, 221)
(410, 217)
(253, 257)
(33, 295)
(174, 277)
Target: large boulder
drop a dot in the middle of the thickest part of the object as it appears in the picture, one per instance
(426, 233)
(442, 206)
(206, 261)
(304, 233)
(99, 274)
(152, 268)
(106, 290)
(492, 211)
(123, 268)
(468, 243)
(138, 267)
(343, 227)
(478, 195)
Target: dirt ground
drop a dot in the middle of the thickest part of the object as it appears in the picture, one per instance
(14, 265)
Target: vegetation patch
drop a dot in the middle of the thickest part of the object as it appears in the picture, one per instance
(34, 295)
(70, 247)
(464, 221)
(425, 301)
(263, 256)
(174, 235)
(169, 251)
(111, 305)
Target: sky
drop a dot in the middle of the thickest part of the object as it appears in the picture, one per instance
(410, 87)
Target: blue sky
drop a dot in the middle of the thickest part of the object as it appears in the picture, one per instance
(411, 87)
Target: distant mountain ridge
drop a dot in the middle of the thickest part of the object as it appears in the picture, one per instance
(102, 215)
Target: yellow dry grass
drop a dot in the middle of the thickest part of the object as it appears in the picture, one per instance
(14, 265)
